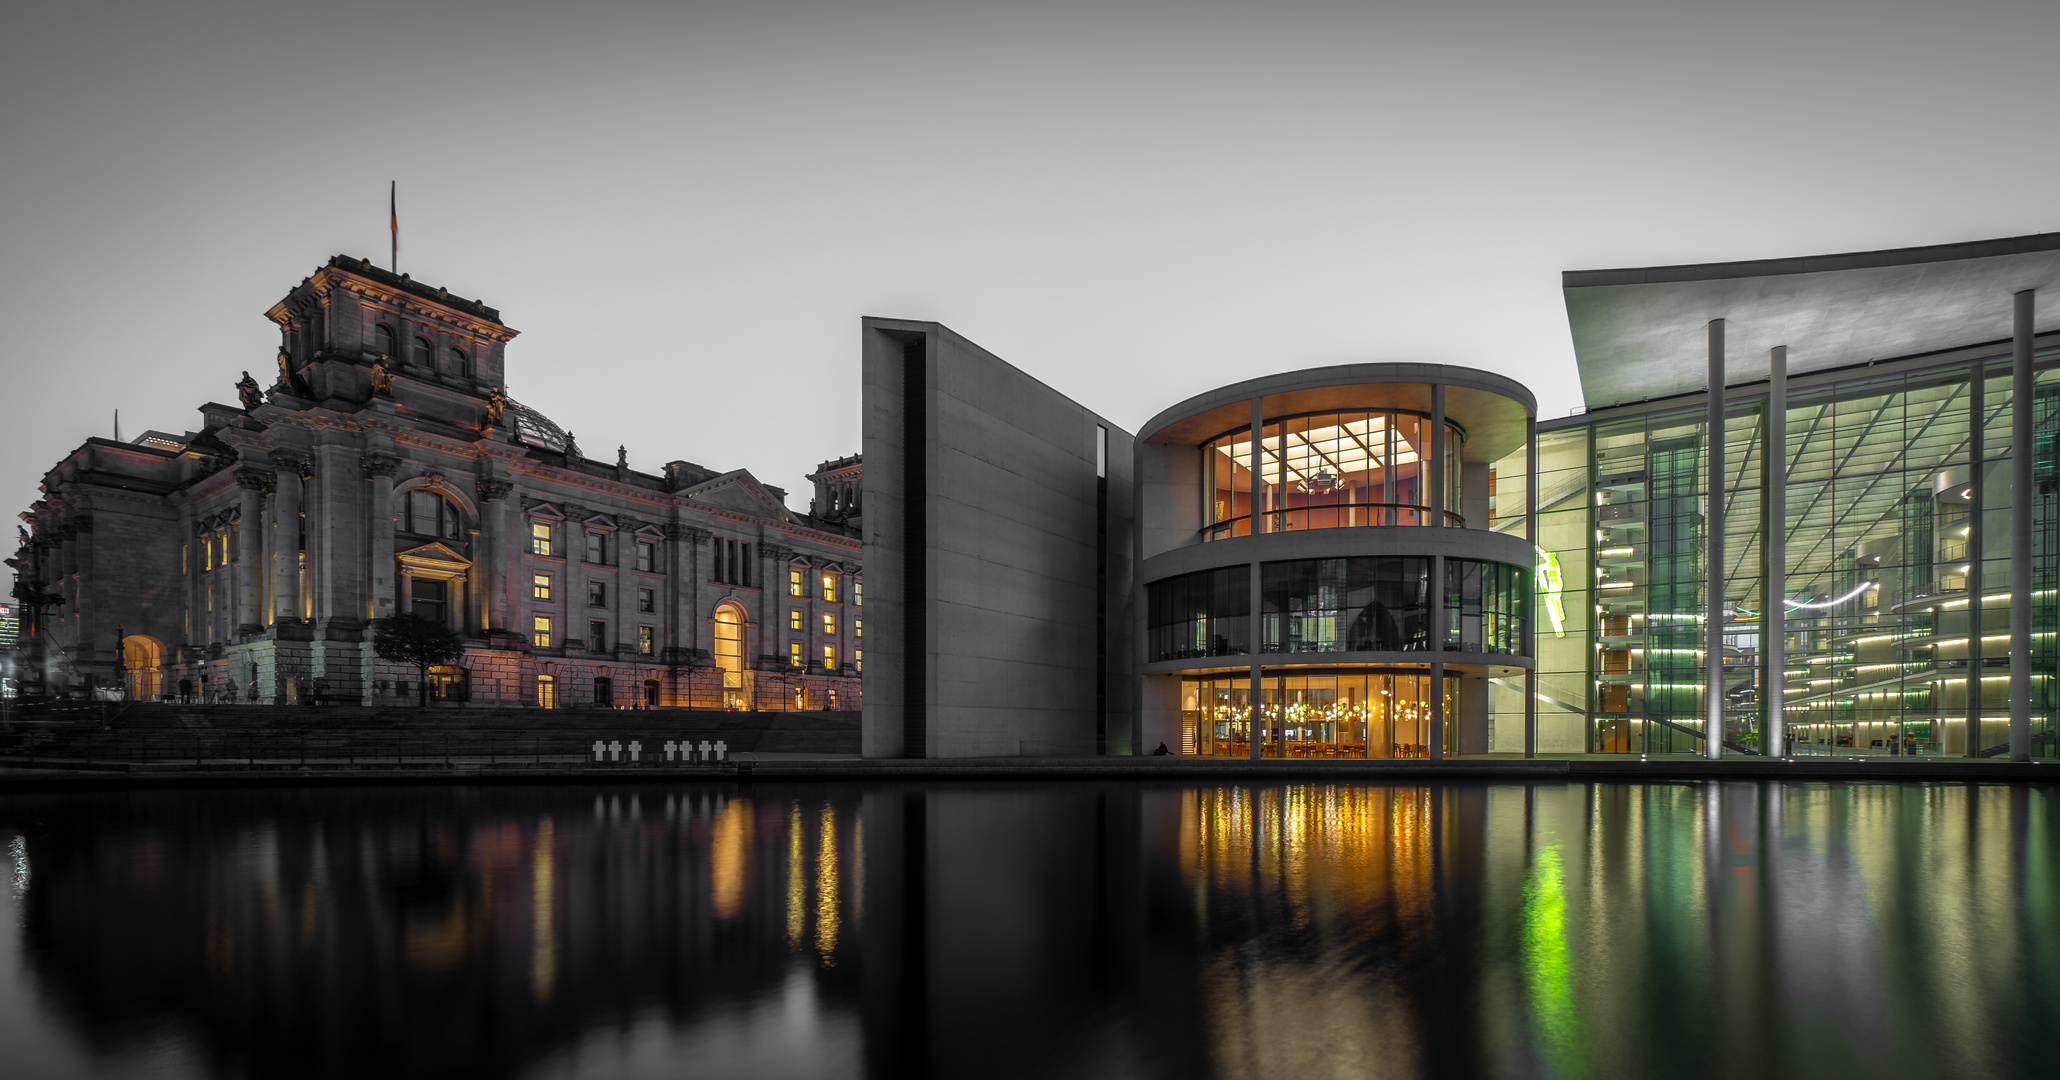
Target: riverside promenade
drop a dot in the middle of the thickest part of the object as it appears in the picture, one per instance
(161, 744)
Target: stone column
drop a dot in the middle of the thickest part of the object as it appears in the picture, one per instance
(1713, 646)
(286, 539)
(250, 543)
(379, 469)
(404, 602)
(491, 547)
(2021, 499)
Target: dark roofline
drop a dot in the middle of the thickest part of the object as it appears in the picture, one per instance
(366, 268)
(1813, 264)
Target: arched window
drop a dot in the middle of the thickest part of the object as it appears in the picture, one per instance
(383, 341)
(461, 363)
(425, 353)
(142, 658)
(729, 653)
(425, 513)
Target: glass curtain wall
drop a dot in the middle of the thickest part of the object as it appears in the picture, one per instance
(1565, 584)
(1327, 470)
(1201, 614)
(1880, 648)
(1345, 605)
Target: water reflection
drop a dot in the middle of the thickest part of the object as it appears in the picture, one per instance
(1310, 930)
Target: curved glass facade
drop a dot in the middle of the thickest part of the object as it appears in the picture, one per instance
(1364, 604)
(1339, 713)
(1327, 470)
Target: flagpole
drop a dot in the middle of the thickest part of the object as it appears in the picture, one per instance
(393, 213)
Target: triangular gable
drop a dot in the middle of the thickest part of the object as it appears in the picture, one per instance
(434, 554)
(739, 491)
(600, 521)
(544, 510)
(650, 531)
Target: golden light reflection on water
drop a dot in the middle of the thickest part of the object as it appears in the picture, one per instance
(729, 858)
(543, 898)
(797, 886)
(826, 886)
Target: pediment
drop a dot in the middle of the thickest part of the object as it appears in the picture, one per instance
(434, 555)
(601, 521)
(739, 491)
(544, 510)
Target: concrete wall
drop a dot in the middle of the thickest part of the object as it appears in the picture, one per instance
(991, 648)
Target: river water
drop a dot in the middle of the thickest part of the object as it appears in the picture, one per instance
(1052, 929)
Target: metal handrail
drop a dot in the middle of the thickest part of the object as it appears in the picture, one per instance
(1454, 519)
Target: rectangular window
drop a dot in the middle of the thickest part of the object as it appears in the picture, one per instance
(547, 691)
(858, 628)
(646, 559)
(858, 659)
(1101, 451)
(540, 587)
(794, 587)
(647, 601)
(597, 547)
(597, 593)
(539, 538)
(794, 653)
(829, 588)
(829, 623)
(857, 593)
(716, 575)
(597, 636)
(647, 639)
(794, 619)
(182, 560)
(744, 569)
(540, 634)
(829, 658)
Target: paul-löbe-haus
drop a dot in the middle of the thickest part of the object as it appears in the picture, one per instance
(1402, 561)
(385, 471)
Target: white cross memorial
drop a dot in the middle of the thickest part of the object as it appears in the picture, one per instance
(704, 750)
(600, 750)
(669, 745)
(615, 750)
(719, 750)
(634, 749)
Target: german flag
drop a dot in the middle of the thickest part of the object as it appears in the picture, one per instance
(393, 212)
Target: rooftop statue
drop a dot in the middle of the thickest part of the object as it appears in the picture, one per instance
(496, 404)
(248, 392)
(382, 379)
(285, 372)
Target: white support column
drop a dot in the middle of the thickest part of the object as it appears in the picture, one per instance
(1438, 481)
(1977, 468)
(1531, 623)
(286, 540)
(1713, 488)
(2021, 500)
(1774, 603)
(1253, 724)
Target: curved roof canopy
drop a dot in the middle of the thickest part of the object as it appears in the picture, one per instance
(1641, 333)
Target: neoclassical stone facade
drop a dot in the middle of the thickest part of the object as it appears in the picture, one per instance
(385, 470)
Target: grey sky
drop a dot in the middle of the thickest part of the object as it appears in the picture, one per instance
(686, 209)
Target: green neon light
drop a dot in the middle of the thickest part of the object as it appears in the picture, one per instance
(1551, 584)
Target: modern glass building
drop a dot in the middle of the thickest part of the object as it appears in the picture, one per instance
(1870, 487)
(1328, 567)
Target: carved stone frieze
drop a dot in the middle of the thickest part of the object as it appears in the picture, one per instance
(380, 464)
(252, 480)
(494, 490)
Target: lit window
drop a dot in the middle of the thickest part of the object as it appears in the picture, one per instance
(540, 587)
(540, 539)
(857, 593)
(646, 557)
(858, 659)
(830, 588)
(794, 587)
(646, 639)
(794, 619)
(794, 653)
(647, 601)
(597, 547)
(540, 635)
(829, 658)
(597, 594)
(858, 628)
(597, 636)
(547, 691)
(829, 623)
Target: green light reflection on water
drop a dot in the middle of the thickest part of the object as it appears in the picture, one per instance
(1549, 970)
